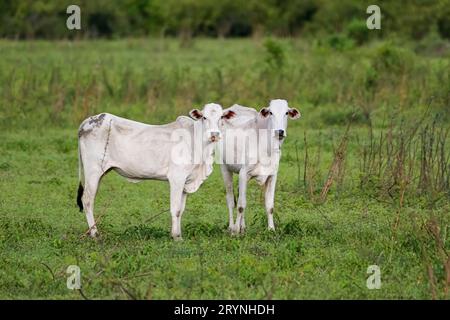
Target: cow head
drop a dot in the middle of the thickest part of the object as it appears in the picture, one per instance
(277, 115)
(211, 116)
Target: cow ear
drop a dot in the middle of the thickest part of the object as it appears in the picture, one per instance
(265, 112)
(294, 113)
(228, 114)
(195, 114)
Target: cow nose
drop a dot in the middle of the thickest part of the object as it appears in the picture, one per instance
(279, 134)
(215, 135)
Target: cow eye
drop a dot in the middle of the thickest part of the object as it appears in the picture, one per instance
(287, 113)
(270, 112)
(204, 118)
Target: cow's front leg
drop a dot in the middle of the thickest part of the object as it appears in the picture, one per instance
(269, 197)
(242, 202)
(183, 206)
(176, 206)
(228, 180)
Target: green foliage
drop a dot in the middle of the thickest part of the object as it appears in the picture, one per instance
(392, 59)
(332, 16)
(433, 45)
(340, 42)
(275, 54)
(43, 84)
(444, 24)
(227, 18)
(358, 31)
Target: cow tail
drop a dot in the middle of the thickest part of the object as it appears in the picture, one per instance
(80, 178)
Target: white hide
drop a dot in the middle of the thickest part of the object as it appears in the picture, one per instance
(139, 151)
(261, 164)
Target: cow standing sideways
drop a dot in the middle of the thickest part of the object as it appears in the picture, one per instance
(138, 151)
(251, 147)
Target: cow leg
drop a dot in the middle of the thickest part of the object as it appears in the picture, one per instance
(176, 199)
(269, 199)
(92, 179)
(228, 180)
(243, 223)
(242, 201)
(182, 207)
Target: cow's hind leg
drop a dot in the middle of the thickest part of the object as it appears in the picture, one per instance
(92, 179)
(228, 180)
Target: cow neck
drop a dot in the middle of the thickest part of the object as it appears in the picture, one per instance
(274, 146)
(275, 151)
(208, 153)
(202, 169)
(207, 149)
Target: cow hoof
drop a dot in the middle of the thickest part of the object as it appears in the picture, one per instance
(94, 234)
(234, 231)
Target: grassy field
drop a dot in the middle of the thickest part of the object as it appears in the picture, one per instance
(388, 204)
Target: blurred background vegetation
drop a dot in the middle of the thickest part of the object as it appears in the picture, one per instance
(152, 60)
(413, 19)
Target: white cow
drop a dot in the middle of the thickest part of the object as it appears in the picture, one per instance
(251, 147)
(138, 151)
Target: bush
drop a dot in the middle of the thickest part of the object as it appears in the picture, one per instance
(444, 26)
(392, 59)
(357, 31)
(340, 42)
(275, 54)
(433, 45)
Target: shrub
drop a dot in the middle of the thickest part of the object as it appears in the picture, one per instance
(392, 59)
(443, 23)
(340, 42)
(358, 31)
(275, 54)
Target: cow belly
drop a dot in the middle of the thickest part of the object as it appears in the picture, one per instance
(139, 161)
(134, 176)
(140, 166)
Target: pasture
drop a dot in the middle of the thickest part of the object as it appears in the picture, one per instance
(364, 176)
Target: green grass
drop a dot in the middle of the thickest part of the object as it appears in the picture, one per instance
(318, 251)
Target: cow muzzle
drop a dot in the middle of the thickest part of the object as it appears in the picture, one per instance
(215, 136)
(280, 134)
